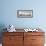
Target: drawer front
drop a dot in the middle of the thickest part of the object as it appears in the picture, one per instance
(34, 33)
(34, 38)
(12, 44)
(13, 33)
(10, 39)
(37, 44)
(37, 39)
(13, 40)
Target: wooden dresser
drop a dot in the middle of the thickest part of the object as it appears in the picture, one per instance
(23, 39)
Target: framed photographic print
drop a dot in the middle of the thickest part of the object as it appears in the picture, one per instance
(25, 13)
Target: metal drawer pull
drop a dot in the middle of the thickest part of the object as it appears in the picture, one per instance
(33, 39)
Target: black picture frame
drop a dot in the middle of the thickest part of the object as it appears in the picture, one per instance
(24, 13)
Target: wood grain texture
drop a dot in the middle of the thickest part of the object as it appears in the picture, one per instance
(23, 39)
(34, 39)
(13, 39)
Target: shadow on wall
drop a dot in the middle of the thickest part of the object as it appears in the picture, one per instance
(2, 26)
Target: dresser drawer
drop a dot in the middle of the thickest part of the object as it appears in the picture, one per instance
(13, 44)
(37, 44)
(12, 39)
(37, 39)
(13, 33)
(34, 33)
